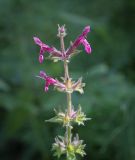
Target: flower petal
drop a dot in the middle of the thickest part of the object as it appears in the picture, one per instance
(37, 41)
(86, 45)
(86, 31)
(41, 58)
(43, 75)
(50, 80)
(46, 88)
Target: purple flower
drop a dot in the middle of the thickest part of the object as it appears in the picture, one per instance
(80, 40)
(43, 48)
(41, 58)
(49, 80)
(86, 45)
(86, 31)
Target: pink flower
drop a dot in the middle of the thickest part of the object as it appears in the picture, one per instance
(80, 40)
(49, 80)
(43, 48)
(86, 45)
(41, 58)
(86, 31)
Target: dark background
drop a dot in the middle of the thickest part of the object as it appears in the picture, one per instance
(109, 74)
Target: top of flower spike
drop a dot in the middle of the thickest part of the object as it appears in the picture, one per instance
(80, 40)
(61, 31)
(55, 54)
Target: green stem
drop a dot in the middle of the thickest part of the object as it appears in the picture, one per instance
(69, 112)
(69, 100)
(66, 70)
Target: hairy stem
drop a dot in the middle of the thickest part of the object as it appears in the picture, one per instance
(66, 70)
(69, 111)
(69, 100)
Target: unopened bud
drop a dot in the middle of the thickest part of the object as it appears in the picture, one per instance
(61, 31)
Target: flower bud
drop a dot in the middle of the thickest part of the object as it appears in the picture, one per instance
(61, 31)
(41, 58)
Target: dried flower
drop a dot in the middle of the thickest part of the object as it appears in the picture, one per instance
(70, 86)
(61, 146)
(66, 119)
(78, 146)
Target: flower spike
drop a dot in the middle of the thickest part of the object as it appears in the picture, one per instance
(67, 145)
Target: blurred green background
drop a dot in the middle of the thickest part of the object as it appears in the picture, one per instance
(109, 73)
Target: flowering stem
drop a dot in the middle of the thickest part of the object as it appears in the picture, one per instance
(69, 100)
(66, 144)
